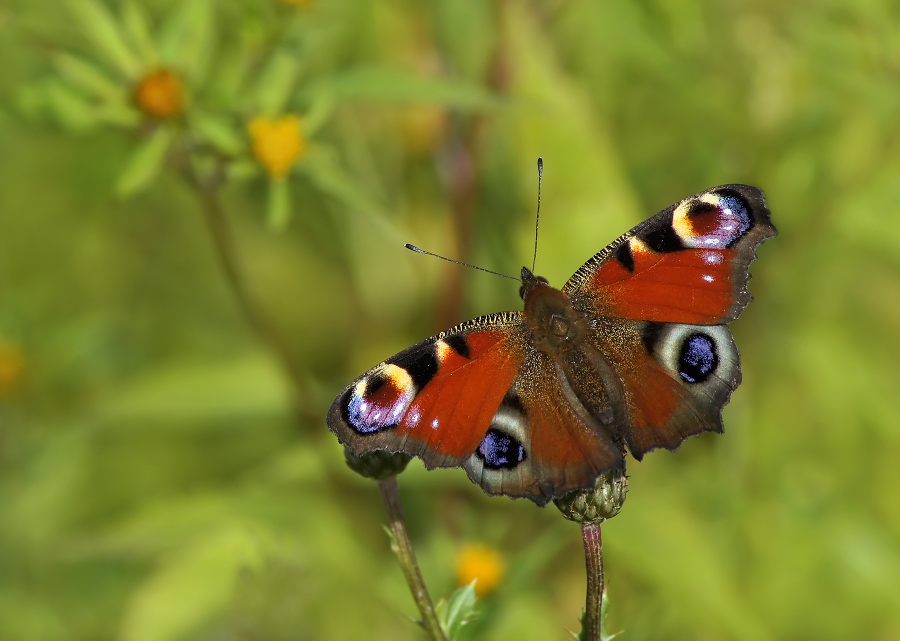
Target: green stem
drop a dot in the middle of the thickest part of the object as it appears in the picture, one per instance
(226, 252)
(390, 494)
(593, 559)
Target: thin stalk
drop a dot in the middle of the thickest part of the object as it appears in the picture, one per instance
(593, 560)
(390, 494)
(226, 252)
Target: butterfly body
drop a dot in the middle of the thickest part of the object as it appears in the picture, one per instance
(632, 351)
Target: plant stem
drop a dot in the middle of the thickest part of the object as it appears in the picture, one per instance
(390, 494)
(593, 560)
(226, 251)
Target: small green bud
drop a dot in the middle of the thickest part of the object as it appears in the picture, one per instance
(598, 503)
(377, 465)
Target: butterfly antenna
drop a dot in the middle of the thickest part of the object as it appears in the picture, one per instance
(459, 262)
(538, 217)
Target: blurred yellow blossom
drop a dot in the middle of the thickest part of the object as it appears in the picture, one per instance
(301, 4)
(277, 143)
(12, 368)
(160, 94)
(481, 562)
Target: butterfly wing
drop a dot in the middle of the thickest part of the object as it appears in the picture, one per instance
(482, 397)
(436, 399)
(544, 441)
(674, 377)
(687, 264)
(661, 294)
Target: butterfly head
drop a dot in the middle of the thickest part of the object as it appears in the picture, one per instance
(529, 282)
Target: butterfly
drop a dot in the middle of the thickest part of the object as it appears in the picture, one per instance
(634, 351)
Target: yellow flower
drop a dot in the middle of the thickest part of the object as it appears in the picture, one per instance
(277, 143)
(300, 4)
(160, 94)
(481, 562)
(12, 368)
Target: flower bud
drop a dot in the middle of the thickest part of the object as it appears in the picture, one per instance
(598, 503)
(377, 465)
(160, 94)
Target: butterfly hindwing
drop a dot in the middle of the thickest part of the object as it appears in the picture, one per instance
(543, 441)
(675, 379)
(687, 264)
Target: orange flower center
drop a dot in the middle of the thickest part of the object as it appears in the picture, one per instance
(160, 94)
(277, 143)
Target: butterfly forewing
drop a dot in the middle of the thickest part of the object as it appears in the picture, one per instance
(436, 399)
(687, 264)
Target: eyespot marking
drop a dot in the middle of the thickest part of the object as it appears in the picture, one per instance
(697, 360)
(714, 221)
(500, 450)
(378, 402)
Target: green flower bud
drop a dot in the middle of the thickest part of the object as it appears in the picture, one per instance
(377, 465)
(598, 503)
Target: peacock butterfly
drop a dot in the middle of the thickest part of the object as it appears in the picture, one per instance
(633, 350)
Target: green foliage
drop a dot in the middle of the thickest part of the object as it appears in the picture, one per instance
(604, 612)
(155, 480)
(457, 611)
(145, 163)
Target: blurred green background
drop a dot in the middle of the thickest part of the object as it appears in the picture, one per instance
(155, 482)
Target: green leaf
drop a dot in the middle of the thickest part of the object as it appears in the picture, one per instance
(320, 110)
(186, 41)
(604, 612)
(119, 115)
(137, 28)
(321, 166)
(88, 77)
(70, 108)
(145, 163)
(279, 204)
(455, 612)
(389, 84)
(222, 133)
(243, 169)
(276, 83)
(104, 33)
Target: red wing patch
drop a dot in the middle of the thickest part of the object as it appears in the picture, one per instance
(452, 413)
(652, 398)
(436, 399)
(566, 444)
(689, 286)
(687, 264)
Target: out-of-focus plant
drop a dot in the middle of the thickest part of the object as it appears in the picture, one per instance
(214, 117)
(152, 486)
